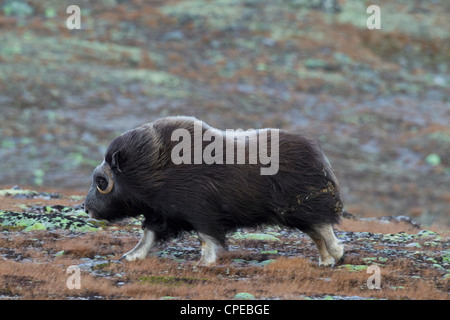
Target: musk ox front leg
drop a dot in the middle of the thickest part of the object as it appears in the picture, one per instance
(140, 251)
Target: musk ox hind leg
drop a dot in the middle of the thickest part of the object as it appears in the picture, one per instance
(330, 250)
(210, 249)
(141, 249)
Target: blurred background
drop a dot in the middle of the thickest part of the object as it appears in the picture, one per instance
(377, 100)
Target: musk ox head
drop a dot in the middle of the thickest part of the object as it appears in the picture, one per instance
(102, 193)
(131, 162)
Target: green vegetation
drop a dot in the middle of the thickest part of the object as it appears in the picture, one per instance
(171, 281)
(28, 221)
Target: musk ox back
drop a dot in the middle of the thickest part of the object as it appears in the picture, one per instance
(183, 175)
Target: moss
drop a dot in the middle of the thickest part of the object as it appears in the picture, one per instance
(441, 136)
(315, 63)
(370, 259)
(15, 192)
(29, 221)
(17, 9)
(426, 234)
(59, 254)
(77, 198)
(84, 228)
(397, 237)
(269, 252)
(35, 227)
(170, 280)
(446, 257)
(101, 265)
(433, 159)
(438, 266)
(431, 244)
(375, 260)
(353, 267)
(244, 296)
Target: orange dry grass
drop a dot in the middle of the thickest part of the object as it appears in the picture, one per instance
(43, 276)
(29, 269)
(300, 275)
(46, 281)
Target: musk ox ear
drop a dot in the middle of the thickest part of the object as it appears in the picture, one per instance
(115, 162)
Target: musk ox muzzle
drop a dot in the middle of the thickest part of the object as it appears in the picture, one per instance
(183, 175)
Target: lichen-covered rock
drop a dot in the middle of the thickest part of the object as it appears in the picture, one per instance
(426, 234)
(353, 268)
(30, 221)
(255, 236)
(244, 296)
(20, 193)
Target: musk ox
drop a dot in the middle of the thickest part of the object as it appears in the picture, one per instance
(179, 186)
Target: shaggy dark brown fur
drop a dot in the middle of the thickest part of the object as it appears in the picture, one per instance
(217, 198)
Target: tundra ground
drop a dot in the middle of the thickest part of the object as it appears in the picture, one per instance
(267, 263)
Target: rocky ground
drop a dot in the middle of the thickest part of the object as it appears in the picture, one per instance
(43, 235)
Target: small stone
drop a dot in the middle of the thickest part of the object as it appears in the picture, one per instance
(173, 35)
(244, 296)
(413, 245)
(59, 254)
(426, 234)
(433, 159)
(438, 266)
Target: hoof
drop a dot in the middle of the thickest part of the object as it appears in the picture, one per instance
(341, 260)
(327, 263)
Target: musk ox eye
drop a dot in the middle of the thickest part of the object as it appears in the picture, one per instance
(101, 183)
(105, 184)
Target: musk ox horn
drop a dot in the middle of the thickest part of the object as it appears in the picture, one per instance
(108, 172)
